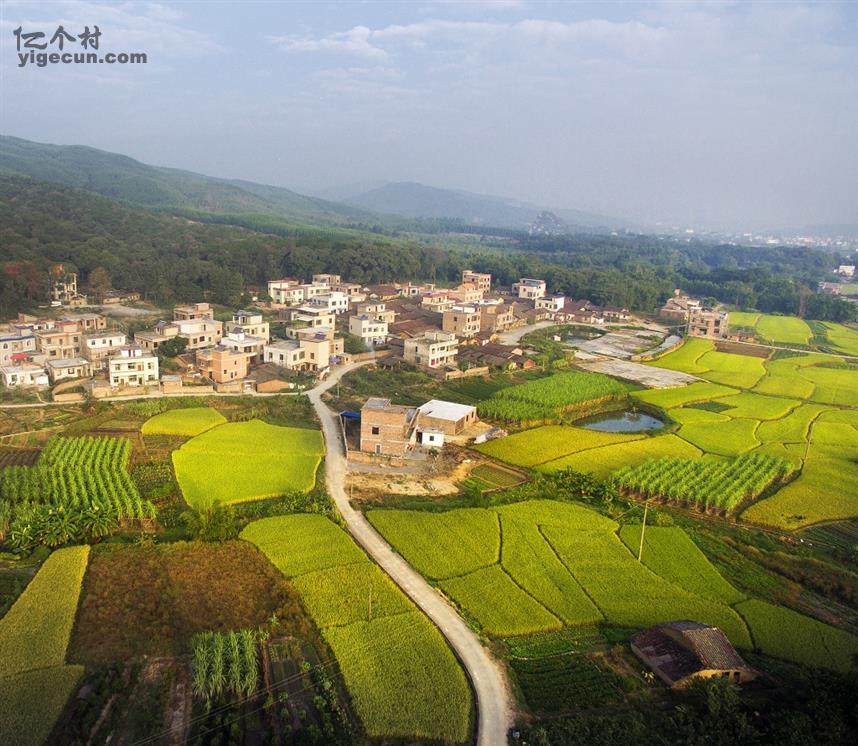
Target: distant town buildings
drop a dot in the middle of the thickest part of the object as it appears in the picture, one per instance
(846, 270)
(708, 323)
(481, 280)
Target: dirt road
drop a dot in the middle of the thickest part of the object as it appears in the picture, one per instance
(488, 678)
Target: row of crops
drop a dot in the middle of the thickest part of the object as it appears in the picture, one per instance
(548, 398)
(706, 484)
(78, 488)
(225, 664)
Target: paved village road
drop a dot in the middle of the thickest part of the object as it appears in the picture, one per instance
(488, 678)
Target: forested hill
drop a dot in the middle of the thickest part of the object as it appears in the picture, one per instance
(170, 258)
(122, 178)
(165, 257)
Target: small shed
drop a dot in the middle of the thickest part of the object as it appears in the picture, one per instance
(679, 652)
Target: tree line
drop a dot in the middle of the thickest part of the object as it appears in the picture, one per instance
(170, 258)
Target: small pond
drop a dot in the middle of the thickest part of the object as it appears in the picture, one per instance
(620, 422)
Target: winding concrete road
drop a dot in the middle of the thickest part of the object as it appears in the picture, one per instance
(488, 677)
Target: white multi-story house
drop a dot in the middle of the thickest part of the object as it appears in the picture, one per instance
(23, 375)
(311, 316)
(287, 353)
(552, 304)
(98, 346)
(432, 350)
(371, 330)
(252, 324)
(16, 344)
(132, 366)
(529, 288)
(334, 301)
(251, 347)
(291, 292)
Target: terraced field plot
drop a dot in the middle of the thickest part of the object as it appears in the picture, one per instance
(787, 634)
(569, 568)
(35, 682)
(403, 680)
(188, 422)
(695, 392)
(783, 330)
(843, 338)
(242, 461)
(604, 461)
(539, 445)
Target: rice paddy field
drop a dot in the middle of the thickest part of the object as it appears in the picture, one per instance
(562, 566)
(789, 331)
(35, 682)
(781, 406)
(188, 422)
(403, 680)
(242, 461)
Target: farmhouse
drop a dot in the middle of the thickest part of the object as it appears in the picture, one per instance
(222, 364)
(132, 366)
(98, 346)
(705, 323)
(193, 312)
(385, 428)
(73, 367)
(19, 342)
(529, 288)
(482, 280)
(448, 417)
(24, 374)
(372, 331)
(251, 323)
(679, 652)
(432, 350)
(463, 321)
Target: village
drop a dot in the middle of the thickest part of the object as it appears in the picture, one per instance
(72, 353)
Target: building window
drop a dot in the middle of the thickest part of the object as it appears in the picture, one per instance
(378, 448)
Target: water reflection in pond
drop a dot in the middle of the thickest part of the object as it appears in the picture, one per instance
(621, 422)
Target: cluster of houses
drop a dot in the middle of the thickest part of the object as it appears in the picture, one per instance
(445, 331)
(40, 352)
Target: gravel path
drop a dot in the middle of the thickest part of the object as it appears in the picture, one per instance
(488, 677)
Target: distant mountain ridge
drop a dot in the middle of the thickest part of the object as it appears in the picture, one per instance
(234, 200)
(123, 178)
(413, 200)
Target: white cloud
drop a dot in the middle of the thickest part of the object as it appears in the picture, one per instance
(355, 41)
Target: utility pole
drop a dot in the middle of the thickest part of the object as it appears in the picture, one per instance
(643, 528)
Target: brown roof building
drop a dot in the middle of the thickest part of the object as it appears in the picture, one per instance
(679, 652)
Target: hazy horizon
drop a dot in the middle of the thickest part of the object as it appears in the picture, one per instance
(718, 115)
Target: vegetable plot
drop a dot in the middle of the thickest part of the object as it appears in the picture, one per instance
(703, 483)
(548, 398)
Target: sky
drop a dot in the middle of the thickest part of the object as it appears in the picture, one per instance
(725, 115)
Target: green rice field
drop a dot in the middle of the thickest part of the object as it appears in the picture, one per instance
(565, 567)
(187, 422)
(242, 461)
(403, 680)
